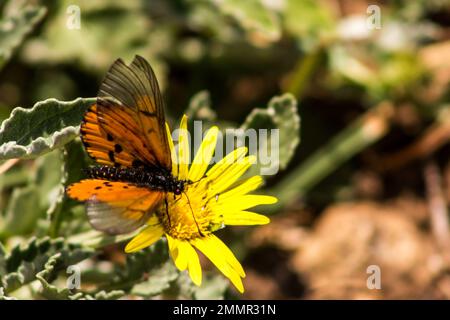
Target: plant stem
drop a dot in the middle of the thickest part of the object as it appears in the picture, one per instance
(303, 71)
(365, 131)
(438, 207)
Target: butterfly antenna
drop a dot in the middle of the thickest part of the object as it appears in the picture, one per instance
(204, 177)
(193, 216)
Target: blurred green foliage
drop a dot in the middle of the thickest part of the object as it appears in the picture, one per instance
(220, 62)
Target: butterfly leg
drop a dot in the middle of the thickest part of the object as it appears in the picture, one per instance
(167, 211)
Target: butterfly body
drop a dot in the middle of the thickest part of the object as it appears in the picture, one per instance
(153, 178)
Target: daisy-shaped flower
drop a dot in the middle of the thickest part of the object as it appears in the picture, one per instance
(215, 199)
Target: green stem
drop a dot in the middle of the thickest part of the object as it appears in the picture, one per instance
(303, 71)
(365, 131)
(56, 220)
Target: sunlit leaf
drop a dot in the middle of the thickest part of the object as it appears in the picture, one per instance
(14, 28)
(281, 115)
(20, 266)
(50, 124)
(254, 16)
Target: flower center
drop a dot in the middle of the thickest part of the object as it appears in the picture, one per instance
(189, 216)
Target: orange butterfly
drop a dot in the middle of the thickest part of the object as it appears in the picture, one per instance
(125, 133)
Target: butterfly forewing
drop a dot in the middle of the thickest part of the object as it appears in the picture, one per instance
(133, 91)
(106, 149)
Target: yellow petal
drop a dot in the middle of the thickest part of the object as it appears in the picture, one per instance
(220, 167)
(244, 202)
(204, 155)
(145, 238)
(173, 153)
(234, 172)
(244, 218)
(229, 256)
(245, 187)
(183, 150)
(195, 270)
(178, 255)
(185, 257)
(219, 254)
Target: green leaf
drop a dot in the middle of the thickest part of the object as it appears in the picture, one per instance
(14, 29)
(91, 45)
(29, 133)
(280, 114)
(48, 177)
(74, 161)
(28, 204)
(212, 288)
(5, 297)
(18, 175)
(52, 292)
(49, 291)
(200, 108)
(253, 16)
(182, 288)
(22, 212)
(309, 21)
(142, 270)
(361, 133)
(22, 264)
(105, 295)
(159, 280)
(2, 260)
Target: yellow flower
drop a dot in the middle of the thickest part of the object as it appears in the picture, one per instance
(215, 198)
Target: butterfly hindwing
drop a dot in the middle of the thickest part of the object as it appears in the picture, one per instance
(115, 207)
(130, 112)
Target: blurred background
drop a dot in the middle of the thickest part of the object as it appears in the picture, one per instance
(369, 184)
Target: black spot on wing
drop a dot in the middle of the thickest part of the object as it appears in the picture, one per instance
(118, 148)
(111, 156)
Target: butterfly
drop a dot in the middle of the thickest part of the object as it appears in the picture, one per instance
(125, 133)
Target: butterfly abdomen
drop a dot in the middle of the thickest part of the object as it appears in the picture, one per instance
(153, 178)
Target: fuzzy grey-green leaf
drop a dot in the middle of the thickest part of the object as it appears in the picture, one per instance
(49, 124)
(140, 266)
(200, 108)
(49, 291)
(280, 114)
(254, 16)
(52, 292)
(14, 28)
(22, 212)
(213, 288)
(23, 263)
(5, 297)
(158, 281)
